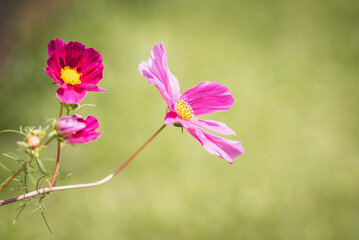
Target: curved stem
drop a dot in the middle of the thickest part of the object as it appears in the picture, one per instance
(45, 191)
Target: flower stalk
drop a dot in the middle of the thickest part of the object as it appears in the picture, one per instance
(59, 148)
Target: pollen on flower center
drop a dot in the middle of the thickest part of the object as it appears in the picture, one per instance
(184, 110)
(70, 75)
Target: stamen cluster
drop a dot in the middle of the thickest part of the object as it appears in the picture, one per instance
(70, 75)
(184, 110)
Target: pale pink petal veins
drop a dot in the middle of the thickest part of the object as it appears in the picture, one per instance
(224, 148)
(208, 97)
(215, 126)
(157, 72)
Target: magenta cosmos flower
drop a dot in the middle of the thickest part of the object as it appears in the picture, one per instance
(75, 129)
(75, 69)
(206, 97)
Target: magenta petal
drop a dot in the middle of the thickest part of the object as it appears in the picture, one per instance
(93, 76)
(224, 148)
(157, 72)
(70, 94)
(75, 129)
(84, 138)
(171, 118)
(66, 126)
(53, 76)
(88, 60)
(73, 51)
(53, 63)
(215, 126)
(208, 97)
(92, 123)
(93, 88)
(56, 60)
(56, 47)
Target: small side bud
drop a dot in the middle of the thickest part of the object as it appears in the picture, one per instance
(33, 141)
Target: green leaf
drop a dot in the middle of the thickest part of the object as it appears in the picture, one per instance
(3, 166)
(71, 106)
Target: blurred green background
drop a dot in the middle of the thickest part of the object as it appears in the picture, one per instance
(292, 67)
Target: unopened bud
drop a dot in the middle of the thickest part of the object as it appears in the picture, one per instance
(33, 141)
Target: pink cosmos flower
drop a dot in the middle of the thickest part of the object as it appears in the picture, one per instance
(75, 69)
(204, 98)
(75, 129)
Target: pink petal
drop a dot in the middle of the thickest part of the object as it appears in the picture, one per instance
(172, 118)
(70, 94)
(73, 51)
(224, 148)
(56, 60)
(88, 61)
(92, 123)
(54, 64)
(215, 126)
(158, 73)
(56, 47)
(93, 88)
(52, 74)
(93, 74)
(84, 138)
(208, 97)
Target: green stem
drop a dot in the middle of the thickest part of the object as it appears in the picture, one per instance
(7, 181)
(61, 109)
(59, 148)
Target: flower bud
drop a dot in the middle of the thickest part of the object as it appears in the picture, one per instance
(75, 129)
(33, 141)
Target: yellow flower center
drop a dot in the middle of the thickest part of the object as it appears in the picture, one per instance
(70, 75)
(184, 110)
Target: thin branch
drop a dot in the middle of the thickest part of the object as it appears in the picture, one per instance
(56, 171)
(7, 181)
(45, 191)
(59, 148)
